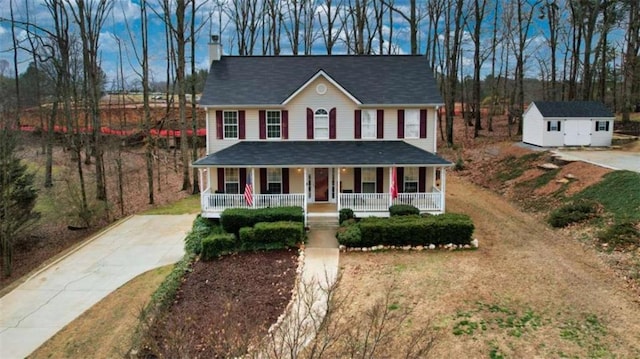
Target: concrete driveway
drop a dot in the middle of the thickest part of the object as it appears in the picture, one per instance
(617, 160)
(53, 297)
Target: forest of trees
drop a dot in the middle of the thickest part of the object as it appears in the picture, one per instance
(485, 53)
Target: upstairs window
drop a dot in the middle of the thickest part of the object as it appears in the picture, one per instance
(410, 184)
(553, 126)
(602, 126)
(369, 121)
(321, 124)
(274, 180)
(411, 123)
(231, 180)
(368, 180)
(230, 124)
(274, 124)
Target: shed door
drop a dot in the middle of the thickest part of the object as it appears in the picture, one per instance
(577, 133)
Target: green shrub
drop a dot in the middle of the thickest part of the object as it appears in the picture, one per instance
(202, 227)
(246, 234)
(166, 292)
(286, 233)
(235, 218)
(622, 234)
(350, 235)
(410, 230)
(572, 212)
(346, 214)
(217, 245)
(403, 210)
(459, 166)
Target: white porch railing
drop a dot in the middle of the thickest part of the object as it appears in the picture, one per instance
(379, 202)
(217, 202)
(365, 202)
(423, 201)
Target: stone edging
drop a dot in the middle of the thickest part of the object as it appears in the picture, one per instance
(450, 246)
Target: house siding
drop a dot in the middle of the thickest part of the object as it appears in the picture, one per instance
(308, 98)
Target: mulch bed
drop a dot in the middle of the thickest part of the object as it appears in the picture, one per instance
(226, 305)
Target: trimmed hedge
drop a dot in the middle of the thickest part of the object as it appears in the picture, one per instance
(287, 233)
(409, 230)
(202, 227)
(403, 210)
(235, 218)
(217, 245)
(246, 234)
(346, 214)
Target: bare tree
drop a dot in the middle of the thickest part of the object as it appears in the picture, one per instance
(479, 11)
(329, 29)
(246, 17)
(90, 16)
(273, 13)
(551, 11)
(631, 57)
(413, 18)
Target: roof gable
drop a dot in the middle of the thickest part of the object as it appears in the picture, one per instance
(321, 73)
(273, 80)
(591, 109)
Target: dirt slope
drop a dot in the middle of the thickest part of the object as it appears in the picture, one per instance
(522, 270)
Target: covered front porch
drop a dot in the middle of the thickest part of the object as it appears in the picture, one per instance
(322, 189)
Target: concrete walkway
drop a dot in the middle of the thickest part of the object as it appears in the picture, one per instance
(307, 311)
(616, 160)
(53, 297)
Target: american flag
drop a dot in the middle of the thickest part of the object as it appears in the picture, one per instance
(393, 189)
(248, 191)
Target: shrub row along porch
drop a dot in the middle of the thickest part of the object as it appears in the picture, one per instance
(279, 174)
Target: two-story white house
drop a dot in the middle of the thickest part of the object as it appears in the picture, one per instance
(321, 132)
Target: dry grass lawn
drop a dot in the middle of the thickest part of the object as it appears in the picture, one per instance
(106, 330)
(527, 292)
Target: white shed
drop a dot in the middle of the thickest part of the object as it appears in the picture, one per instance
(573, 123)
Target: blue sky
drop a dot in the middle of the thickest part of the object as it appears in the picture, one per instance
(125, 12)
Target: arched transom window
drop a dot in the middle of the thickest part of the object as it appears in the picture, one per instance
(321, 124)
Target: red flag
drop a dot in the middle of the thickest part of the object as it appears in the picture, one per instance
(394, 184)
(248, 191)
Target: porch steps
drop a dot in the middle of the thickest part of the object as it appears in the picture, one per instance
(326, 220)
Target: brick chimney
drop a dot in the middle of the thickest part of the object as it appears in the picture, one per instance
(215, 49)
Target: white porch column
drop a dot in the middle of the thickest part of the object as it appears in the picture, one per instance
(443, 185)
(253, 188)
(306, 196)
(201, 179)
(206, 123)
(338, 186)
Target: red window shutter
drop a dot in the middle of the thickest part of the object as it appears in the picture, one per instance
(263, 180)
(241, 126)
(332, 124)
(262, 122)
(243, 179)
(400, 123)
(285, 180)
(422, 178)
(357, 124)
(380, 124)
(221, 180)
(423, 123)
(285, 124)
(309, 124)
(219, 134)
(379, 180)
(400, 179)
(357, 180)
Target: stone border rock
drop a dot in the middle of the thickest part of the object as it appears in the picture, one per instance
(380, 247)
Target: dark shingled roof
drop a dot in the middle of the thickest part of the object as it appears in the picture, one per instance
(573, 109)
(270, 80)
(321, 153)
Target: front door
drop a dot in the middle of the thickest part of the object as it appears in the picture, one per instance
(321, 178)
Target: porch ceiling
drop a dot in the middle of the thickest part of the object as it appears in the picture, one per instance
(321, 153)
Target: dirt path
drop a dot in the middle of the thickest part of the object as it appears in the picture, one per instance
(528, 291)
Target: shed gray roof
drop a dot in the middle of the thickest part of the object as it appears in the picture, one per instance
(321, 153)
(573, 109)
(270, 80)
